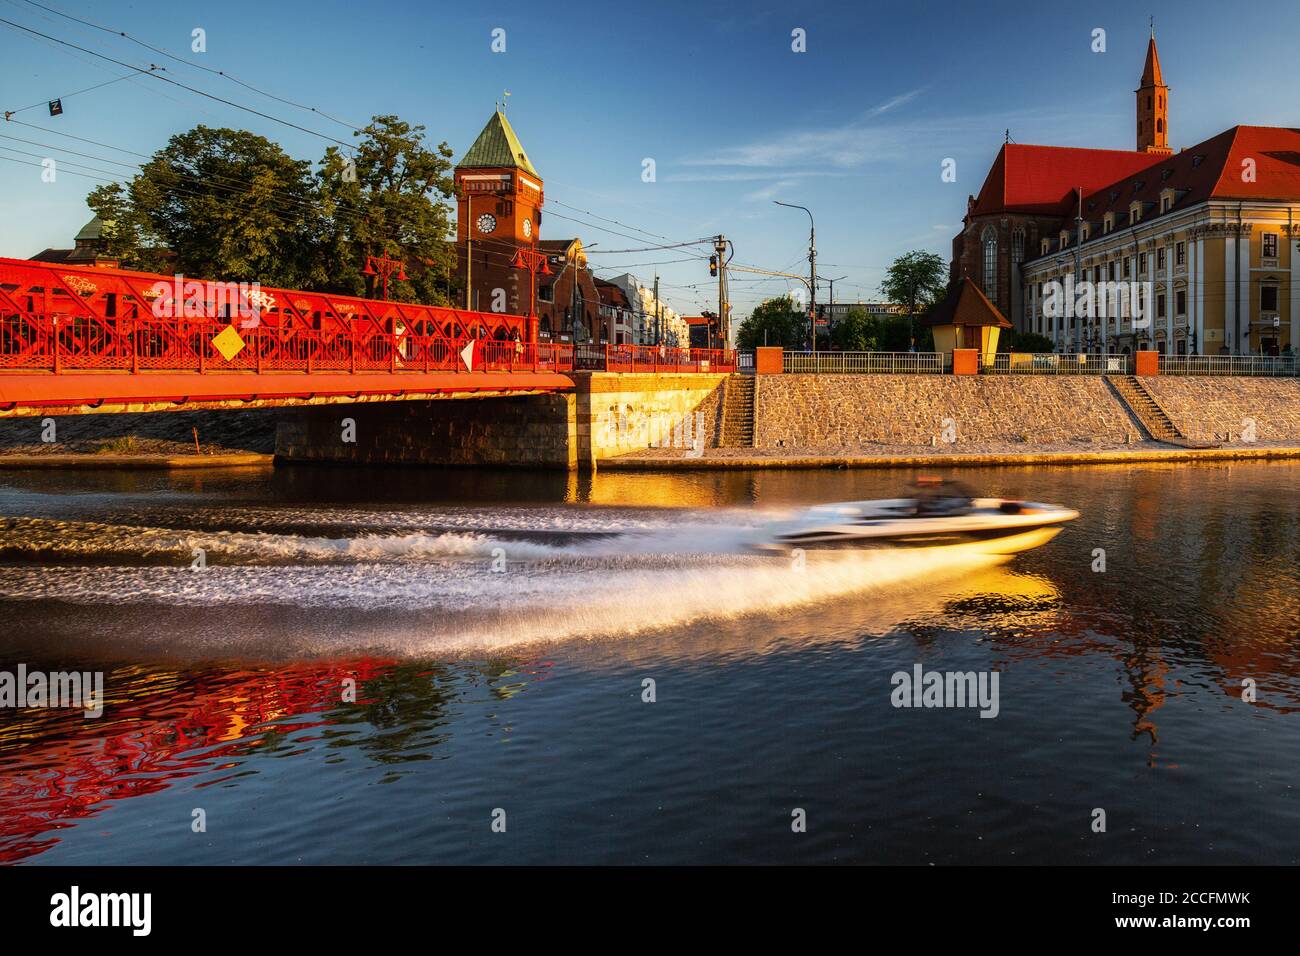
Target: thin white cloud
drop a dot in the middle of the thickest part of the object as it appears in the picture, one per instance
(771, 191)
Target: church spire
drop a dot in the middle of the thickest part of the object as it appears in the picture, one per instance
(1152, 104)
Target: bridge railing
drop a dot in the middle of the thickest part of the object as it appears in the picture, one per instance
(79, 343)
(652, 358)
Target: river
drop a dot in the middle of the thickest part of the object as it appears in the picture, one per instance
(415, 666)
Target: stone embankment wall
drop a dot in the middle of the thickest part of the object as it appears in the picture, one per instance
(857, 412)
(1222, 409)
(622, 413)
(607, 414)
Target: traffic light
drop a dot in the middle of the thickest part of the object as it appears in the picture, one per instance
(713, 265)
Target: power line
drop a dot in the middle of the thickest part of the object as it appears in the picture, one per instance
(153, 71)
(197, 66)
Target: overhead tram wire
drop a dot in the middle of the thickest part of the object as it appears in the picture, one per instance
(198, 66)
(65, 96)
(153, 72)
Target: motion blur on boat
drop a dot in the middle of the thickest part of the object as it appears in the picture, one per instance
(940, 514)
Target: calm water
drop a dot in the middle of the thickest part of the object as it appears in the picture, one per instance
(499, 628)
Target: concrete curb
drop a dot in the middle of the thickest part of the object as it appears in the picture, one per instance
(951, 461)
(133, 462)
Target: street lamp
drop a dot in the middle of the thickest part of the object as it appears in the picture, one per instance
(812, 265)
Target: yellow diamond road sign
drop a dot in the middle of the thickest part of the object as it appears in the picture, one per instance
(228, 343)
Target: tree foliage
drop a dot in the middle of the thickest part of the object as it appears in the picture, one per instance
(394, 206)
(917, 280)
(230, 205)
(774, 322)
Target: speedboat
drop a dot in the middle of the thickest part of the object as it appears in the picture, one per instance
(944, 518)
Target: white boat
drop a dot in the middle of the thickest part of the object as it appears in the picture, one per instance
(940, 516)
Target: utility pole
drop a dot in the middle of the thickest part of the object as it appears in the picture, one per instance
(724, 327)
(812, 267)
(830, 319)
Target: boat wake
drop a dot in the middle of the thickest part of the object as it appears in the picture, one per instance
(419, 591)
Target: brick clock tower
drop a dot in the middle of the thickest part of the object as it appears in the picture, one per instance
(498, 212)
(1153, 106)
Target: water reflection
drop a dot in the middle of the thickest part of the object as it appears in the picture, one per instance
(1142, 661)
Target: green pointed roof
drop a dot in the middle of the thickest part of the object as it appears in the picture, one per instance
(91, 231)
(497, 145)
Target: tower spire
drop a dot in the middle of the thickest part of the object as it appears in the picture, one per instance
(1152, 103)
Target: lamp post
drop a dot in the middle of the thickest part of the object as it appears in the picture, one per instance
(382, 267)
(812, 266)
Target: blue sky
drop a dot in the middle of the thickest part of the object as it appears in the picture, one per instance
(855, 128)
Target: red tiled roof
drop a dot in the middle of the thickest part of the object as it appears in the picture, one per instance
(965, 304)
(1038, 179)
(1209, 170)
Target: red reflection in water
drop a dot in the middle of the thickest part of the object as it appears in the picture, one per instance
(60, 767)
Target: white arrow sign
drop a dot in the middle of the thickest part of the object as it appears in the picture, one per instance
(467, 355)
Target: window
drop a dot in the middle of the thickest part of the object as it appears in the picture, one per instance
(1166, 202)
(1180, 254)
(1270, 245)
(1160, 306)
(1108, 223)
(1180, 302)
(545, 293)
(1268, 298)
(1085, 231)
(1161, 259)
(1045, 247)
(1142, 263)
(1128, 267)
(990, 240)
(1110, 270)
(1018, 246)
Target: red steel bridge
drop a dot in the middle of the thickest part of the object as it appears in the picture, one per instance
(79, 339)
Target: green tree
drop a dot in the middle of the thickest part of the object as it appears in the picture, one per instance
(229, 204)
(1012, 341)
(856, 332)
(773, 322)
(916, 280)
(391, 201)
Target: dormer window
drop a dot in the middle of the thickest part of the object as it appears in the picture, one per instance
(1046, 247)
(1108, 223)
(1084, 232)
(1166, 173)
(1134, 213)
(1197, 160)
(1065, 238)
(1167, 199)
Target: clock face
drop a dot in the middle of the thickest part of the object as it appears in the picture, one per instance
(487, 222)
(528, 228)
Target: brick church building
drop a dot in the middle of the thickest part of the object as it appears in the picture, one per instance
(499, 200)
(1212, 229)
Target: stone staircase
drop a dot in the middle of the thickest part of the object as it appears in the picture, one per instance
(1154, 419)
(738, 412)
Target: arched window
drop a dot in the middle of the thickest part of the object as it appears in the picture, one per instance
(990, 241)
(1018, 246)
(1160, 126)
